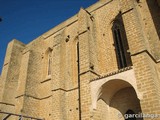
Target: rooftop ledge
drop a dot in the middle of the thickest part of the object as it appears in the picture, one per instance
(73, 19)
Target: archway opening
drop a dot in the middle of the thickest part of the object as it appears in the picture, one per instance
(117, 97)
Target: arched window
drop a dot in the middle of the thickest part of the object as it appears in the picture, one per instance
(119, 46)
(49, 64)
(120, 43)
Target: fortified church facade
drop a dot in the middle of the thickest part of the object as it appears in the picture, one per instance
(100, 64)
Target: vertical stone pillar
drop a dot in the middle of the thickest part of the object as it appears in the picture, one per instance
(142, 61)
(57, 81)
(21, 89)
(150, 16)
(86, 62)
(27, 96)
(10, 75)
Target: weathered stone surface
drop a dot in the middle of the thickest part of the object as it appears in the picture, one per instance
(71, 72)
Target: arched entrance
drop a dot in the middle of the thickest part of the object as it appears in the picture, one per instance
(115, 99)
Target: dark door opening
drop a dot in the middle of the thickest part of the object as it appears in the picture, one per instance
(130, 115)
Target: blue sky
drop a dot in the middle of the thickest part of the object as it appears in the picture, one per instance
(25, 20)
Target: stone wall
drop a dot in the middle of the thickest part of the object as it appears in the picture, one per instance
(78, 51)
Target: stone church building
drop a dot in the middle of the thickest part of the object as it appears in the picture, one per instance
(101, 64)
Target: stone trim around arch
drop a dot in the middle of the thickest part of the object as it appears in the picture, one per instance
(126, 76)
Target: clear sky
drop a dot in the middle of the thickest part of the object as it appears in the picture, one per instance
(25, 20)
